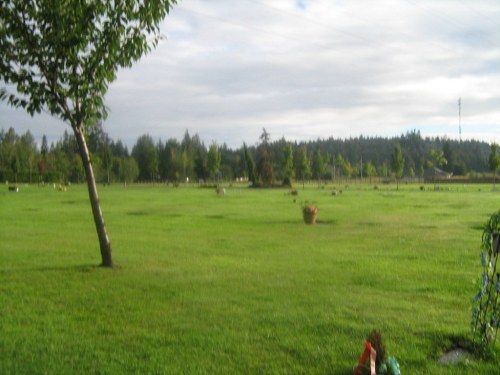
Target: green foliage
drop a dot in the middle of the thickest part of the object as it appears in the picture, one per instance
(176, 159)
(287, 165)
(252, 174)
(375, 339)
(438, 159)
(494, 159)
(265, 171)
(146, 154)
(302, 164)
(318, 165)
(486, 308)
(126, 169)
(370, 170)
(213, 159)
(62, 55)
(398, 163)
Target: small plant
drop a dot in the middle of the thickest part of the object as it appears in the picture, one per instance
(374, 358)
(309, 213)
(486, 307)
(375, 338)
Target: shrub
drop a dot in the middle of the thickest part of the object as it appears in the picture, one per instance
(486, 307)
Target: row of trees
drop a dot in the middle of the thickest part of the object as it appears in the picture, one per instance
(21, 160)
(266, 163)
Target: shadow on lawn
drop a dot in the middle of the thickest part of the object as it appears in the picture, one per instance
(83, 268)
(343, 372)
(299, 221)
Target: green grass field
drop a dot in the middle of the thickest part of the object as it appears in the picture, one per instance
(237, 284)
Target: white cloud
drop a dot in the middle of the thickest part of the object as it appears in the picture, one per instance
(310, 69)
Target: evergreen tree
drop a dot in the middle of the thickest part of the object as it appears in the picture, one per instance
(318, 165)
(252, 176)
(287, 165)
(265, 162)
(146, 155)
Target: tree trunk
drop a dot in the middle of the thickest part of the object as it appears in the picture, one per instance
(104, 242)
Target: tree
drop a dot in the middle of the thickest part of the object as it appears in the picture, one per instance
(42, 163)
(146, 155)
(107, 161)
(370, 170)
(15, 165)
(8, 142)
(437, 159)
(213, 159)
(171, 163)
(61, 56)
(27, 153)
(398, 163)
(318, 165)
(188, 146)
(252, 176)
(302, 165)
(339, 163)
(265, 160)
(126, 169)
(494, 161)
(287, 165)
(449, 156)
(200, 164)
(329, 168)
(347, 168)
(99, 145)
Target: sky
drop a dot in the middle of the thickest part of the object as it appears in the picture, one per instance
(307, 69)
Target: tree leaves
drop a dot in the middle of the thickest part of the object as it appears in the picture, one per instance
(61, 55)
(486, 310)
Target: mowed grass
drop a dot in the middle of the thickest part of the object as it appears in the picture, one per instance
(237, 284)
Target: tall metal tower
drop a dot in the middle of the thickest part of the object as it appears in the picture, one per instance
(460, 118)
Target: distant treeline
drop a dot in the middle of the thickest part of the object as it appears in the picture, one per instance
(267, 162)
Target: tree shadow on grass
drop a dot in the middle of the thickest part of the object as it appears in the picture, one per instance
(83, 268)
(300, 221)
(216, 217)
(343, 372)
(326, 222)
(154, 213)
(449, 342)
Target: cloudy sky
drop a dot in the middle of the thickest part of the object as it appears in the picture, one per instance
(308, 69)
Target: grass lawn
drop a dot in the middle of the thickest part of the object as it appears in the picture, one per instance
(238, 284)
